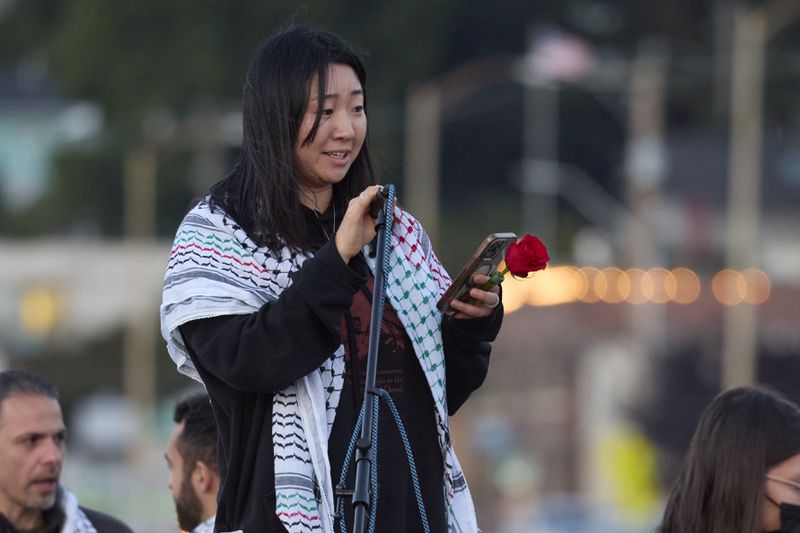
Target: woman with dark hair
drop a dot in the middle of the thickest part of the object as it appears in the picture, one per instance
(742, 472)
(267, 301)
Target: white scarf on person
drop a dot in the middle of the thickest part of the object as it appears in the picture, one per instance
(75, 520)
(205, 527)
(215, 269)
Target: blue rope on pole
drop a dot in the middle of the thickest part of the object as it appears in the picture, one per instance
(351, 447)
(374, 470)
(373, 473)
(412, 467)
(389, 219)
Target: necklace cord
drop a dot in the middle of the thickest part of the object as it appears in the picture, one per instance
(322, 225)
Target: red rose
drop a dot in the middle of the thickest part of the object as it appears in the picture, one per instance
(527, 255)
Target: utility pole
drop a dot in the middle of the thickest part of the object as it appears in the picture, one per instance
(752, 30)
(423, 144)
(138, 345)
(203, 134)
(644, 172)
(540, 110)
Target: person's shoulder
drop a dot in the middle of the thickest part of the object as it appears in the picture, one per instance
(104, 523)
(206, 222)
(205, 208)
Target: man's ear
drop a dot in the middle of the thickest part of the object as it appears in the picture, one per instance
(202, 477)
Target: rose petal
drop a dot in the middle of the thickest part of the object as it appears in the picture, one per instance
(526, 256)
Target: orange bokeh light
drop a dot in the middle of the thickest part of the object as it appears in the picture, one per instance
(728, 287)
(618, 286)
(687, 286)
(757, 286)
(641, 286)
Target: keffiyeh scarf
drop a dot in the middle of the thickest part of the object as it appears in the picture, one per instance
(205, 527)
(75, 520)
(215, 269)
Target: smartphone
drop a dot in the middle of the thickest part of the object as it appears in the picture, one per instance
(484, 261)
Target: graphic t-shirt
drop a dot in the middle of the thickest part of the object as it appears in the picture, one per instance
(400, 374)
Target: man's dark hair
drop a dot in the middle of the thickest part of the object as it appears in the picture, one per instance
(261, 192)
(198, 440)
(13, 382)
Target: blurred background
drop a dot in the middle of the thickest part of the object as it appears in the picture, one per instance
(653, 145)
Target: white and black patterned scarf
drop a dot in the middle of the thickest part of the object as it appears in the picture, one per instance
(215, 269)
(75, 520)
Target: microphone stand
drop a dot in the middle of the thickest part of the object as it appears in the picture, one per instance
(361, 492)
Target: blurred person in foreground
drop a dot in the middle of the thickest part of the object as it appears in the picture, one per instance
(742, 471)
(32, 449)
(267, 300)
(192, 462)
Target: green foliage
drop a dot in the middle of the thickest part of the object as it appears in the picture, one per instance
(59, 363)
(103, 355)
(174, 57)
(179, 182)
(29, 28)
(136, 56)
(85, 197)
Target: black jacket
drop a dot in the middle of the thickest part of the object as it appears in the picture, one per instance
(54, 518)
(306, 319)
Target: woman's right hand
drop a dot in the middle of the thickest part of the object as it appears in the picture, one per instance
(358, 227)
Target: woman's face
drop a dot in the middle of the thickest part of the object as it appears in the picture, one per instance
(343, 125)
(780, 490)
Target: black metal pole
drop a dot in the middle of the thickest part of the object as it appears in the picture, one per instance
(361, 494)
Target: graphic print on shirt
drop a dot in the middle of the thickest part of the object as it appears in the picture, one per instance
(392, 347)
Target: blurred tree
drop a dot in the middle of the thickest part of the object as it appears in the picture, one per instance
(84, 198)
(137, 56)
(134, 57)
(102, 355)
(28, 28)
(140, 59)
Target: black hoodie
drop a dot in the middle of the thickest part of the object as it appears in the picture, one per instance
(328, 305)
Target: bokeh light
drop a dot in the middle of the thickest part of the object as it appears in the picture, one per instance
(515, 293)
(687, 286)
(595, 283)
(556, 285)
(39, 311)
(757, 287)
(564, 284)
(641, 286)
(618, 286)
(728, 287)
(664, 285)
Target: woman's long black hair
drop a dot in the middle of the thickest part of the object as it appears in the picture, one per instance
(261, 192)
(742, 434)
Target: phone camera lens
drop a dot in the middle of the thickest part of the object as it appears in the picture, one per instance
(494, 249)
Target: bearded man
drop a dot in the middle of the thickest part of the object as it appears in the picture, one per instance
(192, 461)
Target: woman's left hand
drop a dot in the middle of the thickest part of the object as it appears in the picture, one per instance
(486, 302)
